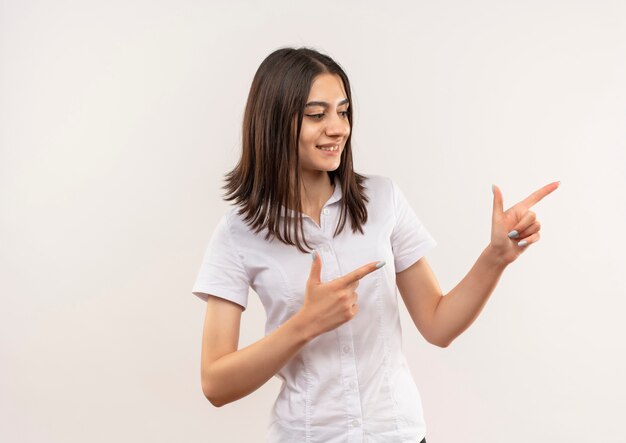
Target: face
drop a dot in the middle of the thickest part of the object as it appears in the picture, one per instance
(324, 125)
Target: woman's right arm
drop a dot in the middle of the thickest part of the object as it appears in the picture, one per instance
(229, 374)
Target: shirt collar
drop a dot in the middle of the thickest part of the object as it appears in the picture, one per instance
(335, 197)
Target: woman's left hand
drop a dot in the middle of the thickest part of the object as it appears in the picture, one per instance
(513, 230)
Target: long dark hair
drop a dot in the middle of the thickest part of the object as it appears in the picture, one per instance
(265, 181)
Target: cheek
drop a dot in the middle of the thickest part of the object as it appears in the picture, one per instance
(347, 122)
(308, 136)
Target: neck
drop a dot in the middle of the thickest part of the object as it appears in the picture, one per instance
(316, 189)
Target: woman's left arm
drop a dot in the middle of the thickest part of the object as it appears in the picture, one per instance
(440, 319)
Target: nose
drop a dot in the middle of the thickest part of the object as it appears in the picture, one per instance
(337, 126)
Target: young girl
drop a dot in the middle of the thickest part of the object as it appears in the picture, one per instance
(333, 332)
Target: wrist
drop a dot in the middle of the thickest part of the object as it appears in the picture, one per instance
(494, 257)
(302, 327)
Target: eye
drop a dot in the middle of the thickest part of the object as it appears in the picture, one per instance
(315, 116)
(344, 113)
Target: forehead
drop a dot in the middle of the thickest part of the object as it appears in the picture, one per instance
(327, 86)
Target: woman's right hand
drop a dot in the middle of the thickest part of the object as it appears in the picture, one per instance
(329, 304)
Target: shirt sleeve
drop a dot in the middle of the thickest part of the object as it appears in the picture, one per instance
(409, 239)
(222, 273)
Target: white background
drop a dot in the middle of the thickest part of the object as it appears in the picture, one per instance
(118, 120)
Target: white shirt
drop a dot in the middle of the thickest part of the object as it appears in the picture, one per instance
(351, 384)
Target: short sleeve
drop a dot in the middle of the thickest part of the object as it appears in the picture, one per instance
(409, 239)
(222, 273)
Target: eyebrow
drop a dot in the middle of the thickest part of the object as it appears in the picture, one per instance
(325, 104)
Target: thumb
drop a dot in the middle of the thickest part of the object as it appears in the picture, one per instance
(316, 268)
(498, 209)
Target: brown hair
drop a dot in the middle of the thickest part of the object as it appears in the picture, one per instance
(266, 181)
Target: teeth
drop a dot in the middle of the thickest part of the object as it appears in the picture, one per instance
(334, 148)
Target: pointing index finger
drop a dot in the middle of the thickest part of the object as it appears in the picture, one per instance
(536, 196)
(361, 272)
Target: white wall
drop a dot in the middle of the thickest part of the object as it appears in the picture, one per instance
(118, 120)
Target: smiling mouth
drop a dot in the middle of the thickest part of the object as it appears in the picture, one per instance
(329, 149)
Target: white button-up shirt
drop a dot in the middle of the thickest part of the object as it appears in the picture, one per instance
(351, 384)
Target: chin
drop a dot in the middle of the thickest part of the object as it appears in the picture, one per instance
(327, 167)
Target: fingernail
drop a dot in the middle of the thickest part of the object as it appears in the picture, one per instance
(313, 255)
(522, 243)
(380, 264)
(513, 234)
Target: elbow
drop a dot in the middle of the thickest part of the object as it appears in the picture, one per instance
(213, 399)
(440, 342)
(210, 394)
(215, 402)
(437, 337)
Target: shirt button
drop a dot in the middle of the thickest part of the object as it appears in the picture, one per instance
(356, 423)
(352, 385)
(346, 349)
(326, 211)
